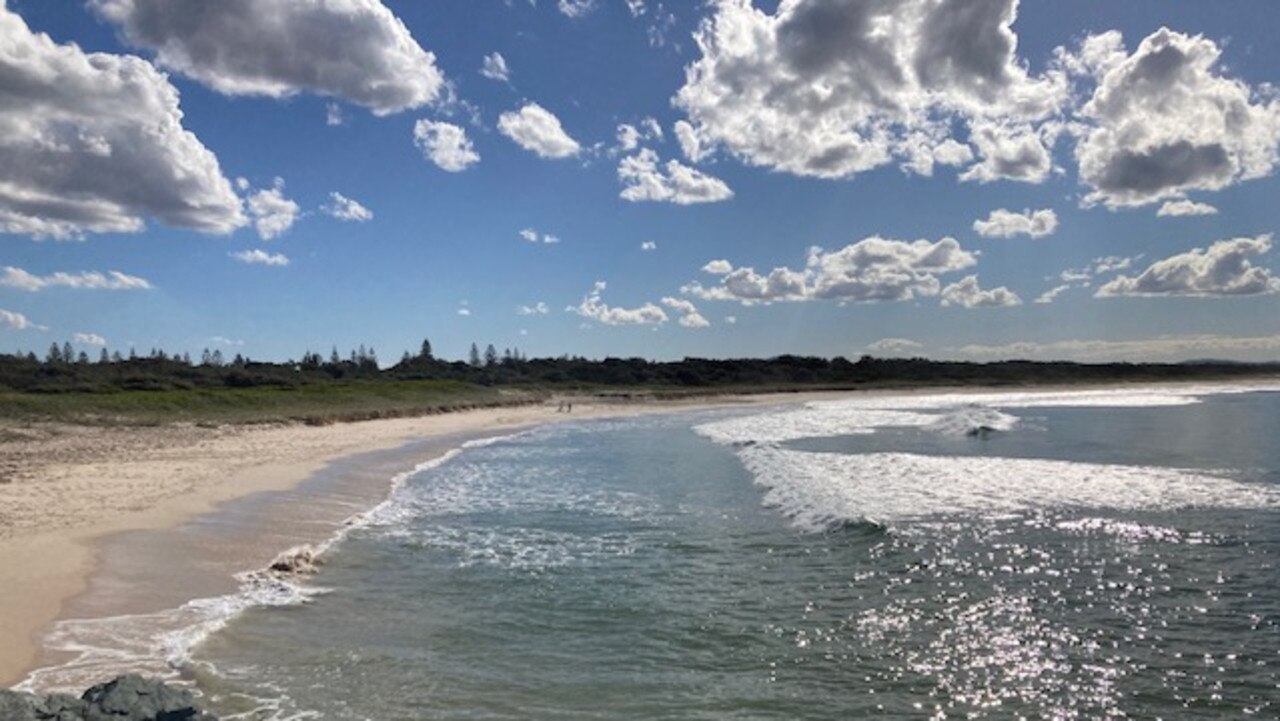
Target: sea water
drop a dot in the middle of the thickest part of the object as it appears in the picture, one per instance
(1059, 555)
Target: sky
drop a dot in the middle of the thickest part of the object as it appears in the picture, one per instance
(969, 180)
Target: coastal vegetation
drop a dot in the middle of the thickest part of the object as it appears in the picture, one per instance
(160, 387)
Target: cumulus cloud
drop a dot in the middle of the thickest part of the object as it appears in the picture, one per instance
(1007, 223)
(648, 245)
(718, 267)
(966, 293)
(344, 208)
(1223, 269)
(445, 144)
(645, 179)
(12, 277)
(831, 88)
(630, 136)
(357, 50)
(495, 67)
(894, 345)
(258, 257)
(1178, 208)
(594, 308)
(872, 269)
(73, 124)
(92, 339)
(14, 320)
(538, 308)
(1164, 120)
(533, 236)
(535, 129)
(273, 214)
(1165, 347)
(689, 315)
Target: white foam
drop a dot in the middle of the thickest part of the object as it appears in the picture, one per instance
(819, 490)
(860, 414)
(156, 644)
(160, 644)
(972, 419)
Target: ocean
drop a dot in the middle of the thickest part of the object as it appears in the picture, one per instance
(1044, 555)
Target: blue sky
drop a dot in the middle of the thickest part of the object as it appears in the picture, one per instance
(443, 256)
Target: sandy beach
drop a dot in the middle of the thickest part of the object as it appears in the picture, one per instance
(67, 490)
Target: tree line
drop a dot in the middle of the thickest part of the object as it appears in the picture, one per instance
(64, 370)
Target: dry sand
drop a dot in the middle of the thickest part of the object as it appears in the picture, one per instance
(65, 490)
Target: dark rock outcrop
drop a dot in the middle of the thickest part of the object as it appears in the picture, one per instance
(127, 698)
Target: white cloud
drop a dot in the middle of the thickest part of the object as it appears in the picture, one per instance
(273, 214)
(690, 142)
(74, 124)
(445, 144)
(357, 50)
(648, 245)
(873, 269)
(12, 277)
(223, 340)
(575, 8)
(1164, 120)
(258, 257)
(344, 208)
(1003, 223)
(1165, 347)
(594, 308)
(966, 293)
(731, 319)
(333, 115)
(92, 339)
(15, 321)
(689, 315)
(538, 308)
(532, 236)
(495, 67)
(1097, 267)
(629, 136)
(831, 88)
(535, 129)
(672, 183)
(464, 312)
(1178, 208)
(894, 345)
(1050, 295)
(1221, 270)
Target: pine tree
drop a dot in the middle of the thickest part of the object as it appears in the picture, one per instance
(54, 355)
(83, 358)
(334, 358)
(490, 356)
(103, 358)
(68, 353)
(474, 357)
(426, 350)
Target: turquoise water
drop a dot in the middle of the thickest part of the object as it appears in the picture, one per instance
(1082, 556)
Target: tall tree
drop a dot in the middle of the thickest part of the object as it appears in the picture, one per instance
(474, 357)
(426, 350)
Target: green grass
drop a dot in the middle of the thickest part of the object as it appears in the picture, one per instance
(317, 404)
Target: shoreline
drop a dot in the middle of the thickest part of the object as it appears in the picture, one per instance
(92, 486)
(101, 498)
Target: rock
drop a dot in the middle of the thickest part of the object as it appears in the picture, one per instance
(127, 698)
(16, 706)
